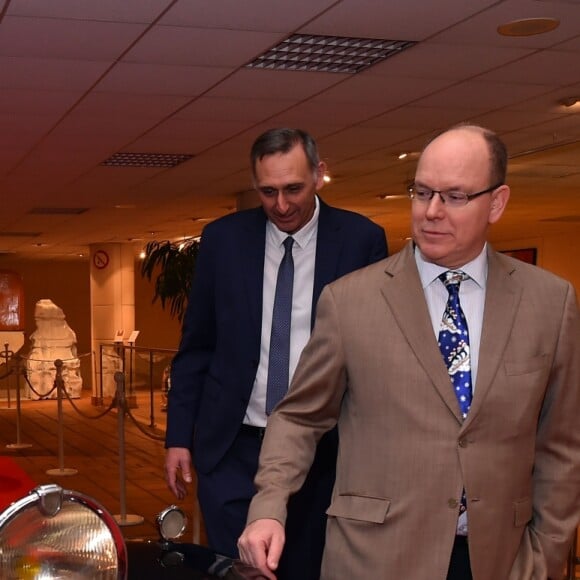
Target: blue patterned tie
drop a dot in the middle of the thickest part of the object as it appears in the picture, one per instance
(279, 359)
(454, 341)
(454, 346)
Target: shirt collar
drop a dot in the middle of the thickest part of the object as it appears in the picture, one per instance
(476, 269)
(303, 235)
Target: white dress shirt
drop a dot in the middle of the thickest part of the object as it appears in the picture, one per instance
(304, 255)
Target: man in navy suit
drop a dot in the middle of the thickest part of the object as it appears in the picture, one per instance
(217, 400)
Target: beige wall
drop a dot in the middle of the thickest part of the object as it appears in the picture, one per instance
(67, 283)
(558, 254)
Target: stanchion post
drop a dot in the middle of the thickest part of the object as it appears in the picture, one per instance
(18, 444)
(130, 368)
(123, 519)
(59, 384)
(6, 355)
(151, 395)
(102, 371)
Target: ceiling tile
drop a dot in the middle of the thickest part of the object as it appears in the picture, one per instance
(54, 38)
(103, 10)
(548, 67)
(157, 79)
(482, 28)
(265, 15)
(410, 20)
(273, 84)
(49, 75)
(178, 45)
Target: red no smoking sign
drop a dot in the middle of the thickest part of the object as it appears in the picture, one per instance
(100, 259)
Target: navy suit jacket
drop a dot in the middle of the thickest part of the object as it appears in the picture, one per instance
(213, 372)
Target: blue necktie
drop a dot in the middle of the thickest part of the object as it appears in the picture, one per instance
(454, 346)
(279, 358)
(454, 341)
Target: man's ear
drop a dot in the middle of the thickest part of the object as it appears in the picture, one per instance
(499, 200)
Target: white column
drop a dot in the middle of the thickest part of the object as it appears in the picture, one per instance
(112, 309)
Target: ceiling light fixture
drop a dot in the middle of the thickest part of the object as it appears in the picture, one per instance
(402, 156)
(528, 26)
(390, 196)
(326, 178)
(570, 101)
(335, 54)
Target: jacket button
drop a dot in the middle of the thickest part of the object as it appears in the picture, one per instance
(452, 503)
(463, 443)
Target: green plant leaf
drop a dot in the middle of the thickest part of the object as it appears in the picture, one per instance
(171, 266)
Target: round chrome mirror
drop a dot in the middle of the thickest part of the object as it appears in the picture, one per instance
(171, 523)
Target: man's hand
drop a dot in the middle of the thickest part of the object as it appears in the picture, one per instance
(261, 545)
(178, 459)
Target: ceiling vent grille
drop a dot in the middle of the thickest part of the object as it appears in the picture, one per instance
(58, 210)
(146, 159)
(336, 54)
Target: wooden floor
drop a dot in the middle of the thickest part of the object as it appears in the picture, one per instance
(90, 445)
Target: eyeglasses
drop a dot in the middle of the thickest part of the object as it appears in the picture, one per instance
(452, 198)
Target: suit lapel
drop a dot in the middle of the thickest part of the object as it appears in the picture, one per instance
(502, 297)
(250, 263)
(403, 292)
(328, 250)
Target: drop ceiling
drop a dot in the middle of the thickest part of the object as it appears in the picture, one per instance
(83, 80)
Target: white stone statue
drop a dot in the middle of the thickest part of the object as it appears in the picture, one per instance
(53, 339)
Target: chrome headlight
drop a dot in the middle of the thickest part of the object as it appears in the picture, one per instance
(53, 534)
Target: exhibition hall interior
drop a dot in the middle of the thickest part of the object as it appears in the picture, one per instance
(125, 123)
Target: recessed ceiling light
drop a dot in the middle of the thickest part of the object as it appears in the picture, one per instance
(335, 54)
(326, 178)
(402, 156)
(389, 196)
(528, 26)
(570, 101)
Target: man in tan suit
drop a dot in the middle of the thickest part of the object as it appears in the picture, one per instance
(412, 454)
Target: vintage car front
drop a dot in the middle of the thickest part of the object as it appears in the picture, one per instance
(53, 534)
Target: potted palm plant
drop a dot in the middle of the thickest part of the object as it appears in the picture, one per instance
(171, 265)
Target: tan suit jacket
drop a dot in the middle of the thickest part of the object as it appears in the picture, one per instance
(373, 366)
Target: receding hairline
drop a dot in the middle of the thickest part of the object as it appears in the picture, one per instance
(495, 147)
(460, 128)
